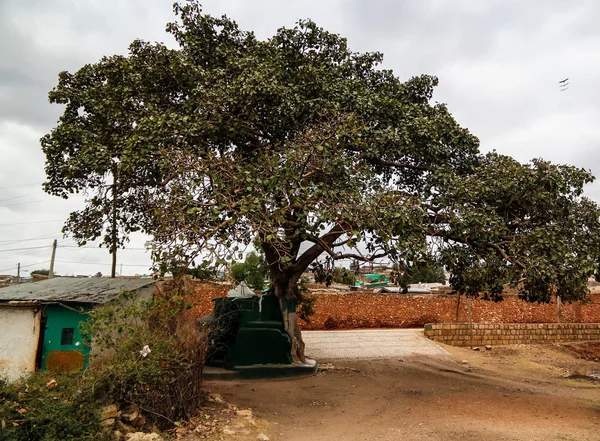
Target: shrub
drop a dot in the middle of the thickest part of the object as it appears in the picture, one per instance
(149, 354)
(164, 380)
(32, 411)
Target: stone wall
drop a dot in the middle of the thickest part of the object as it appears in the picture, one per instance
(511, 333)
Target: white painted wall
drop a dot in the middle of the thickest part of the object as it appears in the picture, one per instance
(19, 334)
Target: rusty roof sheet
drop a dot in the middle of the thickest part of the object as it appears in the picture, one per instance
(95, 290)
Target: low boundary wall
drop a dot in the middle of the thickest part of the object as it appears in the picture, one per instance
(460, 334)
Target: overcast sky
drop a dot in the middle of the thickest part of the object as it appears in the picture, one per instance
(498, 61)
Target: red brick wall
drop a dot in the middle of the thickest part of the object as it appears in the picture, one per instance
(511, 333)
(360, 310)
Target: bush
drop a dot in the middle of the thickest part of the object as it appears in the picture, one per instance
(151, 355)
(32, 411)
(343, 276)
(327, 275)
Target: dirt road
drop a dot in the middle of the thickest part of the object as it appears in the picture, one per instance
(516, 393)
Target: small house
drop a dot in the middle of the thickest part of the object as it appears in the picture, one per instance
(40, 321)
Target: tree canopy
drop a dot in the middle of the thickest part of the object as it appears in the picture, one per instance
(311, 148)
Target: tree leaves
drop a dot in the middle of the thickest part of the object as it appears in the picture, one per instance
(314, 149)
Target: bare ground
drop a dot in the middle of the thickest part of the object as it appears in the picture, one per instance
(509, 393)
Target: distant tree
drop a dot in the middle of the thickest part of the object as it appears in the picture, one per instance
(98, 274)
(328, 274)
(253, 271)
(41, 272)
(420, 272)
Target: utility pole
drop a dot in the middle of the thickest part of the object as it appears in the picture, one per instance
(51, 270)
(19, 272)
(113, 246)
(121, 271)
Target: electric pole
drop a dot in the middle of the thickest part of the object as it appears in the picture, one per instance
(121, 271)
(18, 272)
(51, 270)
(113, 246)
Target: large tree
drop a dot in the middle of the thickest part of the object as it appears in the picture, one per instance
(101, 145)
(312, 148)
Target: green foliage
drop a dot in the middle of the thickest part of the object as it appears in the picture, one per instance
(166, 381)
(33, 412)
(343, 276)
(305, 303)
(420, 272)
(523, 224)
(298, 140)
(42, 272)
(204, 271)
(253, 270)
(325, 273)
(321, 274)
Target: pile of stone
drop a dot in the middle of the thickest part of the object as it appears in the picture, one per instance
(128, 424)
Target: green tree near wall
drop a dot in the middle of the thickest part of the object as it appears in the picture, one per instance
(314, 149)
(253, 271)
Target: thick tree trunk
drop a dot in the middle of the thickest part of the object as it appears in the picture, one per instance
(284, 290)
(290, 321)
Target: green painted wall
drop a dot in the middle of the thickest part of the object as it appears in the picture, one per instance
(57, 318)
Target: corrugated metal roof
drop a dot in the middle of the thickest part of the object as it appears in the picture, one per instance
(70, 290)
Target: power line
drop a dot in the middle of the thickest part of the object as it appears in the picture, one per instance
(20, 203)
(32, 222)
(76, 267)
(97, 263)
(25, 266)
(20, 185)
(20, 196)
(21, 249)
(29, 239)
(23, 254)
(99, 248)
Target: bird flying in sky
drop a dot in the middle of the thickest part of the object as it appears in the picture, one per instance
(563, 84)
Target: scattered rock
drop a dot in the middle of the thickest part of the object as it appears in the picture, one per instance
(464, 362)
(141, 436)
(50, 384)
(244, 413)
(130, 413)
(216, 398)
(124, 428)
(476, 348)
(228, 431)
(488, 347)
(262, 437)
(108, 422)
(109, 412)
(139, 422)
(326, 367)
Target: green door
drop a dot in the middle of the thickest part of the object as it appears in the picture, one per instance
(63, 348)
